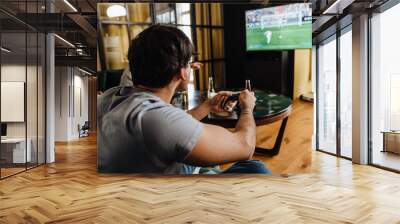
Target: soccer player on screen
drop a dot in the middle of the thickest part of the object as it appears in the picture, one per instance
(268, 35)
(300, 19)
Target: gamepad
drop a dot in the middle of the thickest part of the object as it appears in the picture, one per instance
(233, 98)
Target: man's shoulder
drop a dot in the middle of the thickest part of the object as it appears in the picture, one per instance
(166, 114)
(122, 93)
(165, 110)
(107, 94)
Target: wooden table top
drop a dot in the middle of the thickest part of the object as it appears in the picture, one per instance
(270, 107)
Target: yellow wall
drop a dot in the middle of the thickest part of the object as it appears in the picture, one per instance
(302, 72)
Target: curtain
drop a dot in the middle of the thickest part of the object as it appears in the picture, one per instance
(209, 40)
(117, 32)
(139, 13)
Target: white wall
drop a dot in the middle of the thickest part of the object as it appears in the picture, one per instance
(12, 73)
(34, 125)
(79, 102)
(71, 102)
(302, 72)
(16, 73)
(61, 103)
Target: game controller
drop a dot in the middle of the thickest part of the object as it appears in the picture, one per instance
(231, 100)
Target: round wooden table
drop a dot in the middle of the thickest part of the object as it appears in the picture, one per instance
(269, 108)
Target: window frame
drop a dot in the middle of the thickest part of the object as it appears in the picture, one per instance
(333, 37)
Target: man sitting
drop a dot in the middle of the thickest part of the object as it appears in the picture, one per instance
(139, 131)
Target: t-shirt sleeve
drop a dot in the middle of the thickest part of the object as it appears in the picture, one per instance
(170, 133)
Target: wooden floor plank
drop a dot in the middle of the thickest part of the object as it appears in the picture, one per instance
(328, 190)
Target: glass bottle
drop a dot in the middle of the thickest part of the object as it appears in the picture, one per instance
(247, 85)
(185, 100)
(210, 89)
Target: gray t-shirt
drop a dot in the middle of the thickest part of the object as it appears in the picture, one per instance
(126, 78)
(140, 133)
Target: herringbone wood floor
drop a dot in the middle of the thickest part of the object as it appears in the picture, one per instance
(71, 191)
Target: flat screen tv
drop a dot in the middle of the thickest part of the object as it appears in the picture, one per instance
(282, 27)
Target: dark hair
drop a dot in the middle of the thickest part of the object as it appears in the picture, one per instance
(157, 54)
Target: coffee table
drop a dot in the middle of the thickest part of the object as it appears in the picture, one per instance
(270, 107)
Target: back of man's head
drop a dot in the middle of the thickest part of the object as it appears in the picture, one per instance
(157, 54)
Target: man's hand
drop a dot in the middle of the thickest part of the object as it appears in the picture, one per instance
(195, 65)
(247, 101)
(211, 105)
(217, 101)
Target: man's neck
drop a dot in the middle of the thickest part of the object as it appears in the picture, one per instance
(166, 93)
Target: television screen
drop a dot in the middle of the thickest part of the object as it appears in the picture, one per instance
(279, 28)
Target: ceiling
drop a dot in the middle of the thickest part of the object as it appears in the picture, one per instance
(77, 26)
(330, 15)
(77, 21)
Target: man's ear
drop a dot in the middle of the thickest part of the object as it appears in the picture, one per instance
(183, 74)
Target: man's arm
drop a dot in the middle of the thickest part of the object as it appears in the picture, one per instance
(217, 145)
(210, 105)
(201, 111)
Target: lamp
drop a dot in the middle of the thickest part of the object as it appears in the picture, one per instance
(84, 71)
(5, 50)
(116, 11)
(65, 41)
(70, 5)
(337, 7)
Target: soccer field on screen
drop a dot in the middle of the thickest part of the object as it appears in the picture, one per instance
(287, 37)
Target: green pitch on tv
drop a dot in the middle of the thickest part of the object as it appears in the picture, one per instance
(283, 27)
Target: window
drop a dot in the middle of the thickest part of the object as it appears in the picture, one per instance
(346, 93)
(385, 88)
(326, 99)
(334, 95)
(165, 13)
